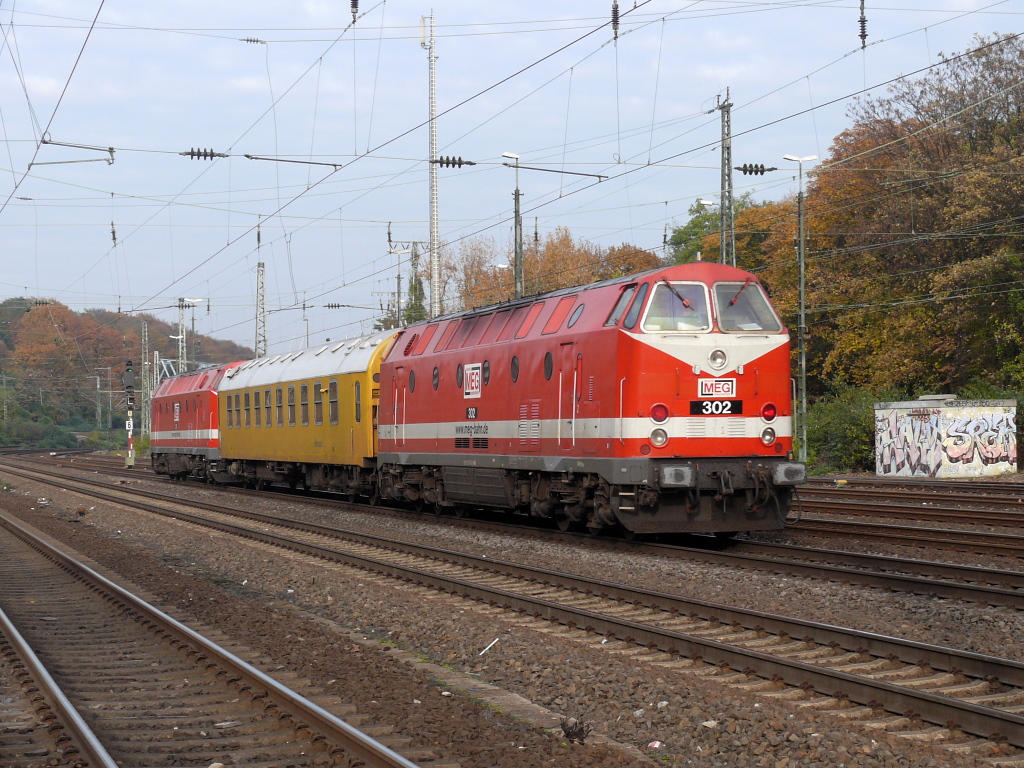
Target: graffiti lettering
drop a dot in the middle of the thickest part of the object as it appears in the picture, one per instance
(947, 442)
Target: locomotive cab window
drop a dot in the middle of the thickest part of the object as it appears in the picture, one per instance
(621, 304)
(744, 307)
(678, 307)
(638, 303)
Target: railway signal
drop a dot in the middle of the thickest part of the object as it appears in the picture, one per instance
(129, 392)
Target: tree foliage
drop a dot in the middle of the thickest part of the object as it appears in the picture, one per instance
(52, 358)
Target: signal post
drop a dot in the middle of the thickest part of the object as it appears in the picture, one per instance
(129, 393)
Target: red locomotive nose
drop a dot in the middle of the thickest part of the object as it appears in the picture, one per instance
(769, 411)
(659, 413)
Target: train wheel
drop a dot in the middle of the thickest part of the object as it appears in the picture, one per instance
(460, 510)
(566, 523)
(374, 498)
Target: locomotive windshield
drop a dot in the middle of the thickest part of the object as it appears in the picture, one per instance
(744, 307)
(678, 307)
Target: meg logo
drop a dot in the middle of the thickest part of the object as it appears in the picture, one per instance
(472, 381)
(716, 387)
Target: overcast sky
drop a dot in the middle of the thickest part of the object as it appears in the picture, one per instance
(544, 80)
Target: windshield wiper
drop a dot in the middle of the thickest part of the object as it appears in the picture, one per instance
(741, 290)
(678, 294)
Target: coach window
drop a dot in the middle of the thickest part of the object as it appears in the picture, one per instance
(279, 395)
(621, 304)
(549, 366)
(359, 401)
(412, 381)
(291, 405)
(304, 404)
(332, 400)
(458, 376)
(436, 378)
(266, 406)
(238, 410)
(257, 402)
(248, 410)
(231, 421)
(515, 368)
(318, 403)
(638, 304)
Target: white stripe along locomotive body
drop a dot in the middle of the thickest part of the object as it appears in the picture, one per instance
(658, 402)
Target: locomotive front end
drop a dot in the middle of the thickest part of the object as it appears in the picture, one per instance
(712, 404)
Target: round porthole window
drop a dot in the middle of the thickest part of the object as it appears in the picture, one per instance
(575, 316)
(458, 376)
(549, 366)
(515, 368)
(437, 377)
(487, 372)
(412, 381)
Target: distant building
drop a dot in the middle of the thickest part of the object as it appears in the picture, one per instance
(940, 436)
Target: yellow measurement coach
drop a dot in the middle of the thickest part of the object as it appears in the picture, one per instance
(306, 418)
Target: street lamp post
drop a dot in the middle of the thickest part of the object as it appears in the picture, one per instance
(802, 322)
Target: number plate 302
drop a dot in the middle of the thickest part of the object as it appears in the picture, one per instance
(716, 407)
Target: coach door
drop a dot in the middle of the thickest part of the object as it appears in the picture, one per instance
(400, 393)
(568, 389)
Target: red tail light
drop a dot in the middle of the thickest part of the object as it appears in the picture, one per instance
(769, 411)
(659, 413)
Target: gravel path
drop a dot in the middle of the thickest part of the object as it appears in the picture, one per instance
(279, 603)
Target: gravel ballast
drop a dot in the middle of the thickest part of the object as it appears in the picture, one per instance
(289, 607)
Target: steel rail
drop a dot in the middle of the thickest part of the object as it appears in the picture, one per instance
(314, 717)
(972, 718)
(81, 735)
(1009, 544)
(915, 512)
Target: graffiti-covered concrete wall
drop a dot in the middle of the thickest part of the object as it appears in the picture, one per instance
(950, 438)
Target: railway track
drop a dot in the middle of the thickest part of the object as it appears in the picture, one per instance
(914, 688)
(992, 586)
(115, 682)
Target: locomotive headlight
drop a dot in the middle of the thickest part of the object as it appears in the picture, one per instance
(717, 359)
(659, 437)
(768, 436)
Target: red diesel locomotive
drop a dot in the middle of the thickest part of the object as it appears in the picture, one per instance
(186, 428)
(659, 402)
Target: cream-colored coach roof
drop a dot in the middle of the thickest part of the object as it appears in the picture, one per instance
(324, 361)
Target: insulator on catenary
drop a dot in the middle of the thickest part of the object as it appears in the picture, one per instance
(615, 18)
(863, 26)
(355, 10)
